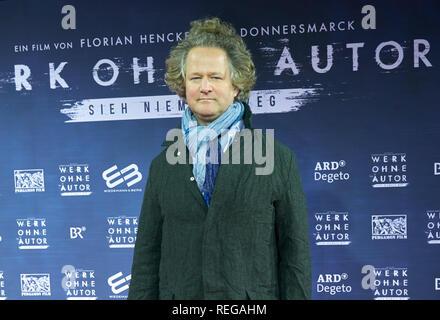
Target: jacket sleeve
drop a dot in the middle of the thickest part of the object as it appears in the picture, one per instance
(294, 270)
(144, 282)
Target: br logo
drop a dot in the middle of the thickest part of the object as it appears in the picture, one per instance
(114, 177)
(76, 232)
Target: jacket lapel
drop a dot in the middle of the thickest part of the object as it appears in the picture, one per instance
(186, 172)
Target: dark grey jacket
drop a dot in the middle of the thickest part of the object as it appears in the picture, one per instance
(251, 243)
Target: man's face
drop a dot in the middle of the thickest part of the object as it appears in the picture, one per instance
(209, 89)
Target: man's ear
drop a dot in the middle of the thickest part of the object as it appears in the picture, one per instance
(236, 91)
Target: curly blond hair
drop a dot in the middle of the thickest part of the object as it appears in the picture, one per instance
(212, 32)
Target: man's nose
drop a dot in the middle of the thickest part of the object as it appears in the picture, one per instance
(205, 86)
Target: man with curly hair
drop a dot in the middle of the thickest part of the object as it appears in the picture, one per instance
(208, 228)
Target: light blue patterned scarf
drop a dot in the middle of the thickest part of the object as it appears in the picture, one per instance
(197, 137)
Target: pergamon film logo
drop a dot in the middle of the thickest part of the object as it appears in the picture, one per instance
(29, 180)
(388, 227)
(35, 284)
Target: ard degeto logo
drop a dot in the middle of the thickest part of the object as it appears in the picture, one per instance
(116, 178)
(331, 171)
(332, 284)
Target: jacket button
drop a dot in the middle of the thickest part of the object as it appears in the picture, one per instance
(192, 179)
(178, 153)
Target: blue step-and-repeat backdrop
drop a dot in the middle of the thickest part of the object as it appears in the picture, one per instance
(350, 86)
